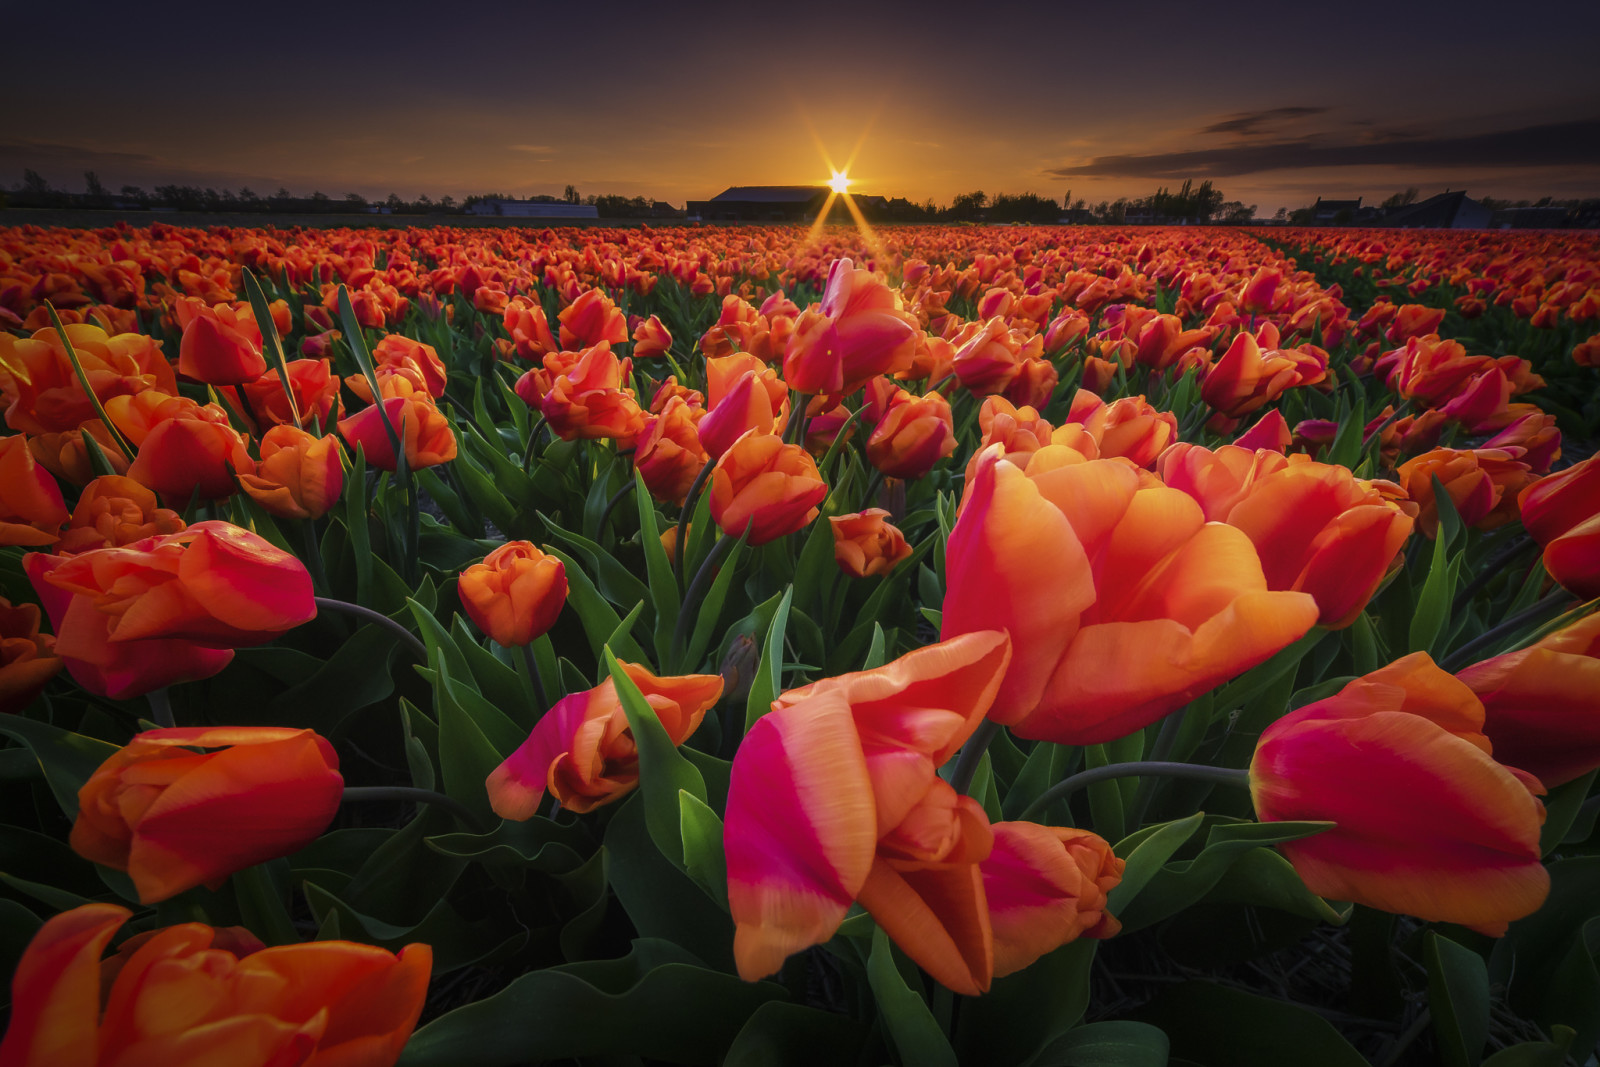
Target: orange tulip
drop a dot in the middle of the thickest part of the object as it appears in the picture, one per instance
(525, 321)
(67, 457)
(316, 393)
(299, 476)
(184, 447)
(864, 331)
(1413, 320)
(27, 657)
(592, 400)
(220, 345)
(1129, 427)
(590, 320)
(1247, 378)
(1122, 602)
(31, 508)
(1542, 704)
(669, 455)
(913, 435)
(42, 390)
(990, 358)
(865, 544)
(1319, 530)
(1219, 479)
(1483, 484)
(173, 818)
(1034, 384)
(1438, 829)
(424, 432)
(115, 511)
(193, 994)
(583, 750)
(768, 486)
(515, 594)
(1561, 513)
(1019, 432)
(170, 608)
(651, 339)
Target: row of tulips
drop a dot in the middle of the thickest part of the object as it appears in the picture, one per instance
(876, 784)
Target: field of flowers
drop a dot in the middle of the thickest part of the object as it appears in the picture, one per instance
(935, 646)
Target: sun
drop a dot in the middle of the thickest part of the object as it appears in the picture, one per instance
(840, 182)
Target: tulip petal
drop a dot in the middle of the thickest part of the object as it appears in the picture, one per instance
(55, 993)
(1003, 522)
(800, 831)
(939, 918)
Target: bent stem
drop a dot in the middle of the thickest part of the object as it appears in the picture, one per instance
(1198, 771)
(683, 520)
(359, 793)
(702, 578)
(972, 754)
(407, 638)
(1464, 655)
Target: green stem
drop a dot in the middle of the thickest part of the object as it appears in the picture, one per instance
(972, 754)
(262, 907)
(611, 505)
(1218, 775)
(531, 662)
(407, 638)
(797, 425)
(1467, 653)
(1488, 570)
(681, 550)
(319, 576)
(359, 793)
(702, 578)
(161, 708)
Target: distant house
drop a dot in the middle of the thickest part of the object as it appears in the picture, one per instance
(533, 208)
(764, 203)
(1447, 211)
(1541, 217)
(1333, 212)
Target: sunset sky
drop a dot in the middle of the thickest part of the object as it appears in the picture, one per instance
(1276, 103)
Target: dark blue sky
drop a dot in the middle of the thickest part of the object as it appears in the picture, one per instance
(1277, 103)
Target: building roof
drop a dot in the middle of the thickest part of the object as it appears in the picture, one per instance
(769, 194)
(1436, 211)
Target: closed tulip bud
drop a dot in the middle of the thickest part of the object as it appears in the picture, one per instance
(670, 388)
(651, 339)
(669, 455)
(184, 447)
(1034, 384)
(865, 543)
(114, 511)
(768, 486)
(1271, 432)
(515, 594)
(316, 393)
(1098, 374)
(914, 434)
(1046, 886)
(1561, 513)
(1130, 428)
(195, 994)
(591, 319)
(744, 407)
(424, 432)
(169, 608)
(174, 819)
(32, 510)
(525, 321)
(1438, 829)
(1413, 320)
(299, 476)
(1542, 703)
(583, 750)
(988, 360)
(1247, 377)
(27, 657)
(220, 346)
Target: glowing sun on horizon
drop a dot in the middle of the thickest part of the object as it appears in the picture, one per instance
(840, 182)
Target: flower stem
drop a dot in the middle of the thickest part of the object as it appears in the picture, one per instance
(972, 754)
(161, 708)
(358, 793)
(531, 662)
(702, 578)
(1065, 788)
(1468, 652)
(407, 638)
(681, 550)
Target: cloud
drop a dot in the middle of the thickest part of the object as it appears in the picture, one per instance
(1553, 145)
(533, 148)
(1250, 123)
(67, 154)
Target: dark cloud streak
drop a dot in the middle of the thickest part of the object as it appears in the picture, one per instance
(1250, 123)
(1553, 145)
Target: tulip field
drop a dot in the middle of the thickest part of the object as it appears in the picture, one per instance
(1106, 647)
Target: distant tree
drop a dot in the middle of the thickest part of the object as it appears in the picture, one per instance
(133, 193)
(1303, 216)
(1399, 200)
(968, 205)
(321, 197)
(394, 204)
(1281, 215)
(570, 194)
(447, 202)
(93, 186)
(34, 183)
(1235, 213)
(355, 202)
